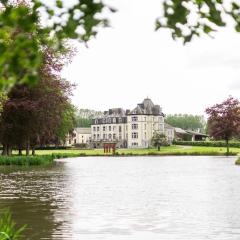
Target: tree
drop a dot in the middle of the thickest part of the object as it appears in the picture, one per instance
(40, 114)
(186, 121)
(158, 140)
(224, 120)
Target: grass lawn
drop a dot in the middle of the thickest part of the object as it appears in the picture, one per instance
(171, 150)
(44, 157)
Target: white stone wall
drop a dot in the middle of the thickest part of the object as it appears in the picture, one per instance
(141, 129)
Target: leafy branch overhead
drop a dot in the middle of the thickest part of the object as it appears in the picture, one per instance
(24, 34)
(190, 18)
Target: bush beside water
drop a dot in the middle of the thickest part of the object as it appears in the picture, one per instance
(26, 160)
(238, 161)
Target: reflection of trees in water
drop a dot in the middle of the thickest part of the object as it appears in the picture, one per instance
(34, 196)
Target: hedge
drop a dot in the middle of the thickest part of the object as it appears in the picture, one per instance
(207, 143)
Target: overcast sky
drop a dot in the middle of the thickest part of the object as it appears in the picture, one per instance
(130, 61)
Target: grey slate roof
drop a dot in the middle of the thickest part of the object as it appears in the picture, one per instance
(147, 108)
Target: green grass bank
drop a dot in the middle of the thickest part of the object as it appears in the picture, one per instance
(45, 157)
(26, 160)
(165, 151)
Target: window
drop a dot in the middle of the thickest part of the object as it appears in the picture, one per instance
(134, 126)
(97, 128)
(120, 128)
(145, 126)
(114, 120)
(70, 141)
(134, 144)
(94, 129)
(114, 128)
(120, 120)
(94, 136)
(109, 120)
(145, 135)
(109, 128)
(109, 136)
(114, 136)
(134, 135)
(96, 121)
(160, 119)
(120, 137)
(98, 136)
(104, 128)
(134, 119)
(103, 136)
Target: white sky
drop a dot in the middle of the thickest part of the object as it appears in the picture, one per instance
(130, 61)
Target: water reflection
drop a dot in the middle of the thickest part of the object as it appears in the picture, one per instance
(126, 198)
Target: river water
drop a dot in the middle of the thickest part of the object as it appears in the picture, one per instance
(126, 198)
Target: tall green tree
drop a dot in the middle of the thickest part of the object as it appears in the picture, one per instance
(39, 114)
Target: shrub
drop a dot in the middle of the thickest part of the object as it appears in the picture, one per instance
(26, 160)
(207, 143)
(238, 161)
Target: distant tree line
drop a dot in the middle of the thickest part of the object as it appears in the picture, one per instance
(187, 121)
(84, 117)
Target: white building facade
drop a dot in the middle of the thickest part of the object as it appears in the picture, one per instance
(79, 136)
(129, 129)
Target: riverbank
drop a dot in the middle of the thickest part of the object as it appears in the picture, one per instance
(165, 151)
(44, 157)
(26, 160)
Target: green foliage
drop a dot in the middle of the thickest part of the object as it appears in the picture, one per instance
(207, 143)
(159, 140)
(186, 121)
(26, 160)
(190, 18)
(22, 38)
(8, 230)
(84, 117)
(238, 161)
(67, 123)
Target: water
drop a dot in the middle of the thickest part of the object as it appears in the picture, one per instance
(149, 198)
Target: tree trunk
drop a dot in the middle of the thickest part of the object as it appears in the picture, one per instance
(227, 143)
(9, 150)
(158, 147)
(4, 151)
(33, 151)
(27, 148)
(20, 152)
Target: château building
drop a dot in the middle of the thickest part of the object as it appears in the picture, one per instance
(129, 129)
